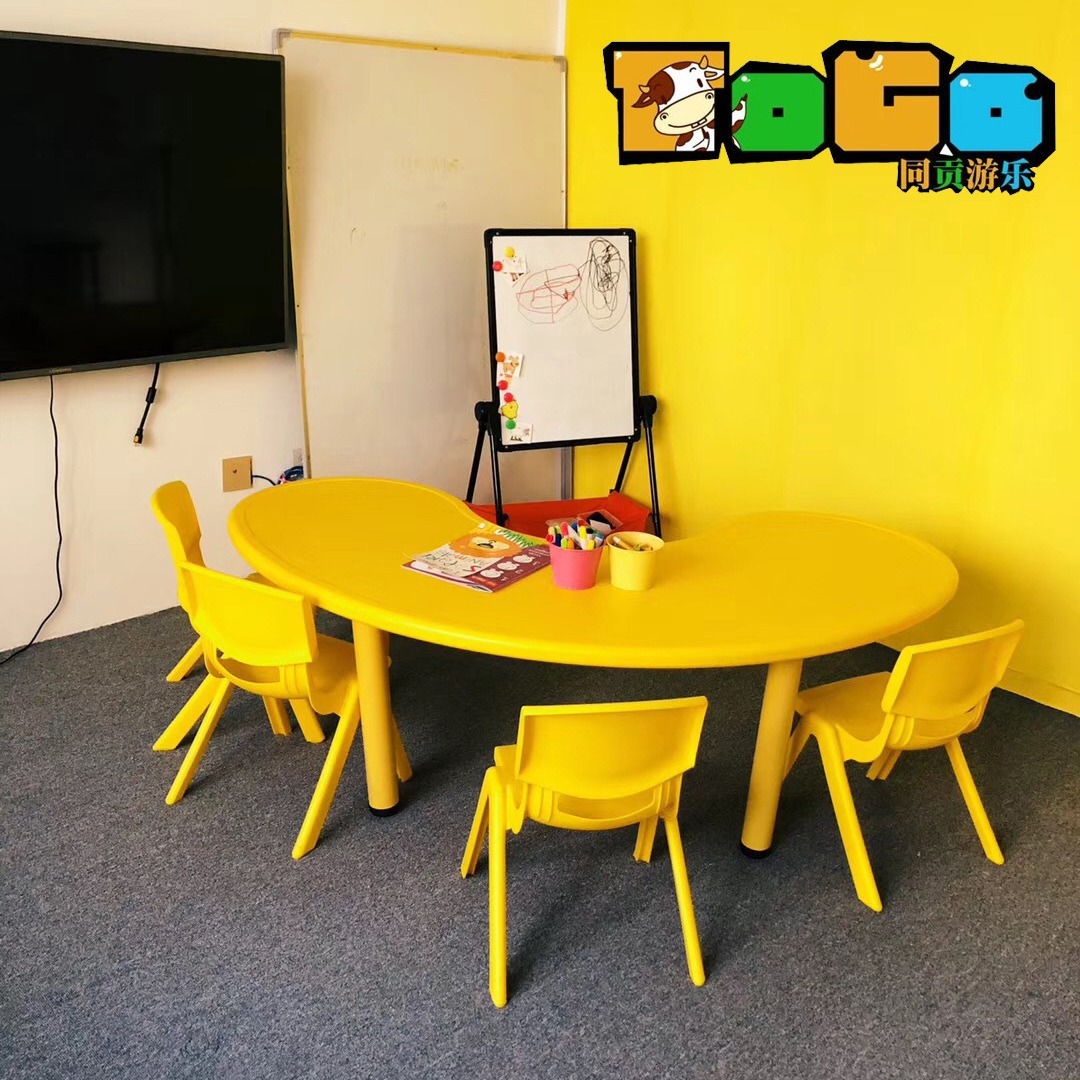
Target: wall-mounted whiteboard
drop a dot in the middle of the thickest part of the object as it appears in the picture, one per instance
(563, 335)
(399, 158)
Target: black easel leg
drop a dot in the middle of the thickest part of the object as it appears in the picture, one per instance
(619, 480)
(481, 430)
(652, 477)
(647, 410)
(496, 483)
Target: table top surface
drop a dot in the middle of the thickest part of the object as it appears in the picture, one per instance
(754, 589)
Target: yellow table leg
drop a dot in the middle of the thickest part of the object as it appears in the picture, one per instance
(770, 755)
(376, 718)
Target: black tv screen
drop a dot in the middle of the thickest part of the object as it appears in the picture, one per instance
(142, 204)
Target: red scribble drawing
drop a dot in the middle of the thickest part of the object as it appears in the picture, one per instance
(547, 296)
(600, 285)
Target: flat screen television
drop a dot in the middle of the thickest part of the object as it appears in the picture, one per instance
(142, 204)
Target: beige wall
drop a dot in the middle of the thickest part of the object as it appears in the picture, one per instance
(114, 562)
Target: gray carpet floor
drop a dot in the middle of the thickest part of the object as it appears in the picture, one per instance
(140, 940)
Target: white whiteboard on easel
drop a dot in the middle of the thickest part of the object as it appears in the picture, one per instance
(563, 334)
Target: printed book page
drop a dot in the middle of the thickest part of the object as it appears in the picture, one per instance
(488, 559)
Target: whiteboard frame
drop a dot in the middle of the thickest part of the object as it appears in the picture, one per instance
(490, 235)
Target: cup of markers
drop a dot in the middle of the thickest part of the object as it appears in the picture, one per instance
(575, 555)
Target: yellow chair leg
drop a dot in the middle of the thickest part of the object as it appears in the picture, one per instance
(188, 663)
(974, 803)
(308, 721)
(401, 759)
(883, 765)
(279, 719)
(797, 744)
(646, 835)
(326, 788)
(188, 717)
(477, 832)
(844, 807)
(686, 902)
(199, 744)
(497, 898)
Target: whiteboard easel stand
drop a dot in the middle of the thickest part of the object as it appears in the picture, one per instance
(634, 411)
(487, 420)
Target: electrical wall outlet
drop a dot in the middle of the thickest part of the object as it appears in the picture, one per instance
(236, 473)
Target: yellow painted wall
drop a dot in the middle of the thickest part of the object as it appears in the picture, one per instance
(820, 340)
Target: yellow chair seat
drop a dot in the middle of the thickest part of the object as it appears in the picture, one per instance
(194, 656)
(587, 767)
(263, 640)
(570, 812)
(935, 693)
(851, 704)
(328, 674)
(331, 672)
(175, 511)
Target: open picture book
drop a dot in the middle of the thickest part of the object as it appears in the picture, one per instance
(488, 558)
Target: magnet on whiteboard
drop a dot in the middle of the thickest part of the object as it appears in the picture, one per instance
(496, 266)
(507, 370)
(509, 252)
(508, 398)
(511, 424)
(500, 357)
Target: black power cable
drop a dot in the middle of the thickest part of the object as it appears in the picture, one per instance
(150, 395)
(259, 476)
(59, 531)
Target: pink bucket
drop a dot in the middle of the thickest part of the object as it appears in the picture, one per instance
(573, 568)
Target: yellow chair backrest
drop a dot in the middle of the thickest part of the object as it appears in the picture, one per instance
(596, 766)
(257, 625)
(950, 680)
(174, 509)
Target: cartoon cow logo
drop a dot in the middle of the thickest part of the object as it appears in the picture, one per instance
(685, 103)
(738, 115)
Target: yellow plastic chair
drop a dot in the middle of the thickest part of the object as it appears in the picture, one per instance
(263, 639)
(935, 693)
(175, 511)
(589, 767)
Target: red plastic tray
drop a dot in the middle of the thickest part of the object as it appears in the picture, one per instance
(531, 517)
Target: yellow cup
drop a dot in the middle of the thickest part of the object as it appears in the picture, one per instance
(632, 559)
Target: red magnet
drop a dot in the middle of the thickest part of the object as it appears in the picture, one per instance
(496, 266)
(508, 398)
(503, 384)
